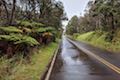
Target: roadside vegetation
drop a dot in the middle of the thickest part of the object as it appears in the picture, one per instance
(99, 39)
(20, 68)
(29, 30)
(99, 26)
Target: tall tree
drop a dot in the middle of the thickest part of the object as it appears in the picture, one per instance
(6, 9)
(73, 26)
(12, 12)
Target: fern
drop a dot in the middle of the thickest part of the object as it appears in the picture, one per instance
(40, 30)
(30, 24)
(10, 29)
(19, 39)
(35, 24)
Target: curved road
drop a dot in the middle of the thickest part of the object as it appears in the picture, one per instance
(73, 64)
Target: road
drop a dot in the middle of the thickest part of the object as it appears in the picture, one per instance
(75, 64)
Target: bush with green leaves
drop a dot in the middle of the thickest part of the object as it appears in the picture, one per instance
(35, 27)
(45, 29)
(10, 29)
(19, 39)
(30, 24)
(24, 23)
(35, 24)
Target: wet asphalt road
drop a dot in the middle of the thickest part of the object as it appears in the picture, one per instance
(73, 64)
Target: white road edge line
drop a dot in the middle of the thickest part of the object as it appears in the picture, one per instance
(52, 64)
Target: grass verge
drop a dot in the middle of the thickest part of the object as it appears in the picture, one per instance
(98, 39)
(18, 68)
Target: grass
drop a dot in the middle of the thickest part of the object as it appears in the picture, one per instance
(18, 68)
(98, 38)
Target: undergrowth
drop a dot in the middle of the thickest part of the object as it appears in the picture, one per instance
(99, 39)
(19, 68)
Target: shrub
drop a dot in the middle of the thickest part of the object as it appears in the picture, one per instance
(19, 38)
(10, 29)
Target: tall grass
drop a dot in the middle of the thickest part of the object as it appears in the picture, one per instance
(98, 38)
(19, 68)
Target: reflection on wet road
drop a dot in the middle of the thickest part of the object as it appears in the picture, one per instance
(72, 64)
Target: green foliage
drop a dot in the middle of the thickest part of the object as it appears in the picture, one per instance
(75, 35)
(10, 29)
(100, 15)
(95, 39)
(27, 40)
(98, 39)
(25, 23)
(35, 24)
(18, 68)
(52, 13)
(73, 26)
(41, 29)
(19, 38)
(85, 36)
(35, 27)
(30, 24)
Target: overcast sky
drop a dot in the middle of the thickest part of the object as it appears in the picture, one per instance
(74, 7)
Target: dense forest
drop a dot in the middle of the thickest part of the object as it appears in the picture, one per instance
(25, 24)
(29, 34)
(101, 18)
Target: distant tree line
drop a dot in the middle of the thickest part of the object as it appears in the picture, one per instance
(100, 15)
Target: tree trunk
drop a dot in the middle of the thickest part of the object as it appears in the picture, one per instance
(7, 13)
(0, 7)
(112, 27)
(112, 22)
(12, 13)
